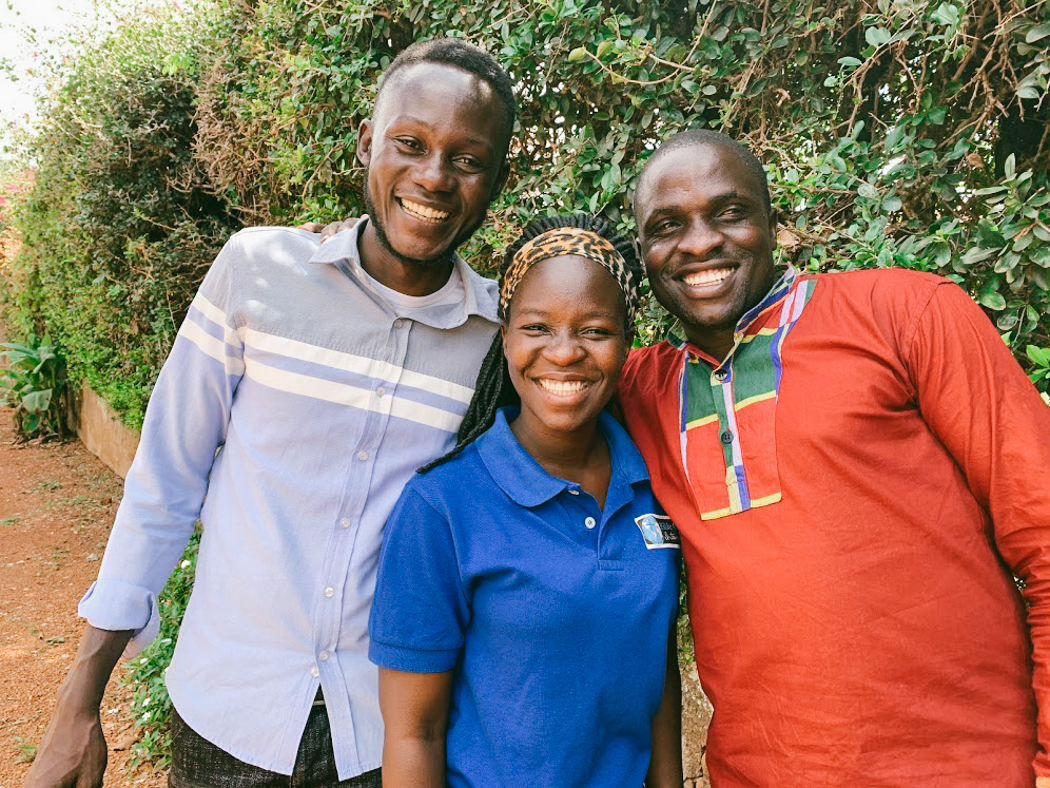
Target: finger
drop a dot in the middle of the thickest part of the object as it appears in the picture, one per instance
(310, 227)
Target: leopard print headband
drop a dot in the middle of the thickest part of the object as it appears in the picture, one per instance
(563, 241)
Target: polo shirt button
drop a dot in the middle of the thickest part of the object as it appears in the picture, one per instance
(329, 591)
(362, 455)
(589, 522)
(398, 323)
(381, 391)
(315, 672)
(721, 374)
(726, 437)
(345, 522)
(574, 492)
(323, 656)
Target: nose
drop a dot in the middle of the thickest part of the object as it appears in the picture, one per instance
(564, 349)
(433, 173)
(701, 238)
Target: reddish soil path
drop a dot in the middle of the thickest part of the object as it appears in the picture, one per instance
(56, 506)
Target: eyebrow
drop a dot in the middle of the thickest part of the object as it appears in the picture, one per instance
(410, 119)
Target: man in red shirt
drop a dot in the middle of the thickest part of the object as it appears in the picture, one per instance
(858, 469)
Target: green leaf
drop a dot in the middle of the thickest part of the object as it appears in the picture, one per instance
(877, 36)
(38, 401)
(992, 300)
(867, 191)
(579, 53)
(1038, 32)
(851, 62)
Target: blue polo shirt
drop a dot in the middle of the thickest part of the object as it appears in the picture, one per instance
(554, 613)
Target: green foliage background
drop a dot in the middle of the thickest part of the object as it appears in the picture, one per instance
(910, 133)
(907, 133)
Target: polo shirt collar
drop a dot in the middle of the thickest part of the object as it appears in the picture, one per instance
(482, 295)
(527, 483)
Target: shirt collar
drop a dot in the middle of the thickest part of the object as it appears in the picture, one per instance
(527, 483)
(776, 295)
(482, 295)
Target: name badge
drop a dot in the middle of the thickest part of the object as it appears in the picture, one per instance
(658, 532)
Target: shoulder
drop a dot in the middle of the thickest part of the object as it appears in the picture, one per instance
(272, 242)
(881, 282)
(443, 485)
(645, 366)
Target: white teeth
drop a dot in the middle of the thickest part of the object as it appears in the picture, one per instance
(707, 277)
(563, 388)
(422, 211)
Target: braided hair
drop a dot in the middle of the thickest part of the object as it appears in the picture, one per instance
(493, 389)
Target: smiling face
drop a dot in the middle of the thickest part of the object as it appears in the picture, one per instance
(435, 154)
(706, 239)
(565, 341)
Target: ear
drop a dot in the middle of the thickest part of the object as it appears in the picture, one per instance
(364, 142)
(774, 217)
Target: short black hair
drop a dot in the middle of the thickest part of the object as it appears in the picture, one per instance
(493, 389)
(697, 138)
(458, 54)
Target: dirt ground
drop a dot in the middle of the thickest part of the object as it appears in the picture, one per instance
(56, 506)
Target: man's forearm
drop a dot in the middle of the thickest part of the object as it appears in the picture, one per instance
(73, 752)
(96, 657)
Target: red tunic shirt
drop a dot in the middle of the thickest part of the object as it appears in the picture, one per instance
(854, 614)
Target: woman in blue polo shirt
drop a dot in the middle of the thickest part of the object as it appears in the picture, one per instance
(524, 608)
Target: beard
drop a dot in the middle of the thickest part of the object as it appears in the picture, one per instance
(446, 257)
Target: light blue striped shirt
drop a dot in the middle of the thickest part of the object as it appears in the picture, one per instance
(295, 404)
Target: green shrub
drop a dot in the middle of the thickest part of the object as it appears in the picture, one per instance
(34, 384)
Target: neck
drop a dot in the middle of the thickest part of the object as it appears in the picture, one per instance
(717, 344)
(410, 278)
(567, 455)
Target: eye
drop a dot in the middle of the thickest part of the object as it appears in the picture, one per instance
(733, 212)
(409, 143)
(469, 163)
(663, 227)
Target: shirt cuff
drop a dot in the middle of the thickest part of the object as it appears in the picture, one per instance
(114, 606)
(410, 659)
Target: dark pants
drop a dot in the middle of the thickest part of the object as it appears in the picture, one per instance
(197, 763)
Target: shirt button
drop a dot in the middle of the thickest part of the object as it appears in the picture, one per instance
(574, 492)
(726, 437)
(329, 591)
(345, 522)
(362, 455)
(398, 323)
(315, 672)
(721, 374)
(381, 391)
(589, 522)
(323, 656)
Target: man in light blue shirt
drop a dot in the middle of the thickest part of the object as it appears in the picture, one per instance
(304, 388)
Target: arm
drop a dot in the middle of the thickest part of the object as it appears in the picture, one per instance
(415, 715)
(665, 765)
(185, 423)
(999, 442)
(73, 753)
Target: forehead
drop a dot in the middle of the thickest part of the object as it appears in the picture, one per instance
(568, 279)
(436, 94)
(703, 172)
